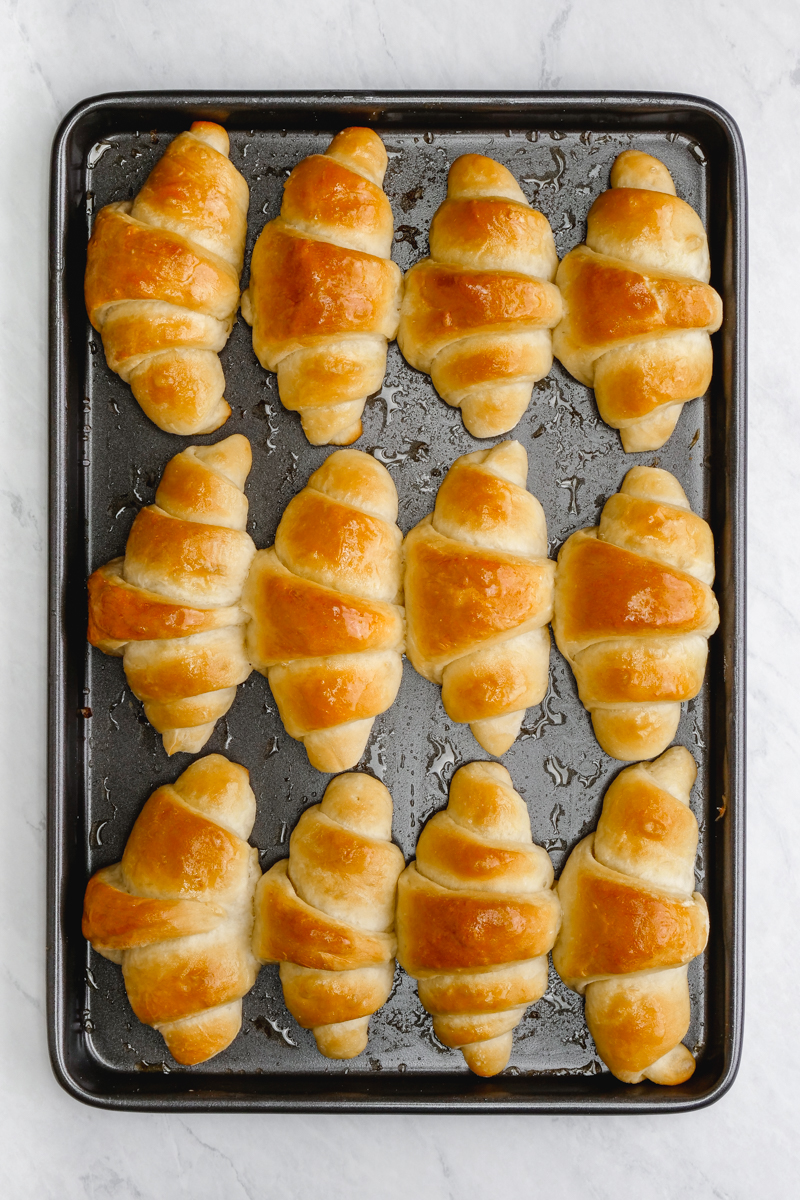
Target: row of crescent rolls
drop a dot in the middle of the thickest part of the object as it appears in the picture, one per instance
(324, 298)
(191, 607)
(628, 313)
(477, 914)
(630, 603)
(189, 917)
(328, 610)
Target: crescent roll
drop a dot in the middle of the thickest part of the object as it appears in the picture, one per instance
(477, 315)
(170, 606)
(638, 308)
(324, 295)
(162, 280)
(477, 915)
(634, 610)
(326, 914)
(479, 594)
(633, 922)
(325, 623)
(177, 912)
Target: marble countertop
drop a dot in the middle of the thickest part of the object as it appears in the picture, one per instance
(745, 55)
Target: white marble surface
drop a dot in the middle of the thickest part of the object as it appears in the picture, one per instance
(746, 55)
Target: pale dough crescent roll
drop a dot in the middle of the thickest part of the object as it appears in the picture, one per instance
(633, 921)
(479, 594)
(324, 295)
(325, 623)
(634, 611)
(638, 308)
(177, 912)
(477, 915)
(170, 606)
(326, 914)
(477, 315)
(162, 280)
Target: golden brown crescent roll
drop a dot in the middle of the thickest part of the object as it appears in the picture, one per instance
(638, 309)
(634, 610)
(476, 916)
(479, 594)
(477, 315)
(170, 605)
(325, 624)
(326, 914)
(633, 922)
(177, 912)
(162, 280)
(324, 296)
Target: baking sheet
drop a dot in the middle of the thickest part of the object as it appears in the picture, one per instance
(108, 460)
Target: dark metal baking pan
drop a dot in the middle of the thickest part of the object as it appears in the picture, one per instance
(105, 461)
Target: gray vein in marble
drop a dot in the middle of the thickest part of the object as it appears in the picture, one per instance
(550, 48)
